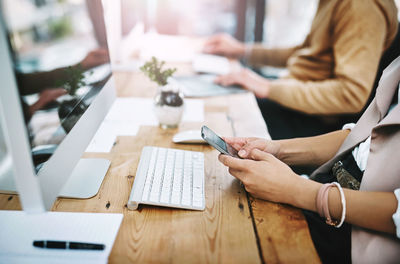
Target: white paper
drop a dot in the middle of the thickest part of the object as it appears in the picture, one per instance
(19, 230)
(140, 111)
(194, 111)
(126, 116)
(107, 133)
(132, 109)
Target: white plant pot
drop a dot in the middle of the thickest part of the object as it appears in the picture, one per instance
(169, 105)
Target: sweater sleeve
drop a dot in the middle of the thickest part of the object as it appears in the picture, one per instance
(358, 36)
(260, 55)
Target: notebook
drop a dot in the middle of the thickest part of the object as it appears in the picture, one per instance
(19, 230)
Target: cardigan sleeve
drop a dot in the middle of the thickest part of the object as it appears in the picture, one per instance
(258, 55)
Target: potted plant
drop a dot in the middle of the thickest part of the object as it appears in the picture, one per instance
(73, 107)
(168, 102)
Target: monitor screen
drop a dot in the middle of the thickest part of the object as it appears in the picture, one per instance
(6, 173)
(61, 62)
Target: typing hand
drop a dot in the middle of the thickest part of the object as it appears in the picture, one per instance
(245, 145)
(248, 79)
(224, 44)
(49, 95)
(45, 97)
(264, 176)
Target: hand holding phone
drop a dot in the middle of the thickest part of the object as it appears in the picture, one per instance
(217, 142)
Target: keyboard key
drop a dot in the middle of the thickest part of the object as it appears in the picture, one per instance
(150, 174)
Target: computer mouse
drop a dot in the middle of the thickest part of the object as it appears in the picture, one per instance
(189, 136)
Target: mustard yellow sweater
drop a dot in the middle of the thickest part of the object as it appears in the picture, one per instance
(334, 69)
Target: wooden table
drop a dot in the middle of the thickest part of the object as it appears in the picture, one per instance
(234, 227)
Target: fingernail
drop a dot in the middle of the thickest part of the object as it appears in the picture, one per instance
(242, 153)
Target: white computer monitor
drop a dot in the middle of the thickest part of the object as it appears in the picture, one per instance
(64, 171)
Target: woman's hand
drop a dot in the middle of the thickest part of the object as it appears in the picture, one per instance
(264, 176)
(224, 44)
(248, 79)
(244, 146)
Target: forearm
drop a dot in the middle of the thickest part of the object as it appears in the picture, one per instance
(36, 82)
(259, 55)
(311, 150)
(359, 205)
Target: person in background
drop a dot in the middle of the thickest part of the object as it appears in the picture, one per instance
(351, 202)
(45, 83)
(331, 73)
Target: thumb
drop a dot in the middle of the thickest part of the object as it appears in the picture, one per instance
(259, 155)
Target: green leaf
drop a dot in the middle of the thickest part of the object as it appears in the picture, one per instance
(74, 79)
(153, 70)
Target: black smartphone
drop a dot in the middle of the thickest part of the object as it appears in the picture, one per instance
(217, 142)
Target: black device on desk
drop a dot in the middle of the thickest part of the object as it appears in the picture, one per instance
(217, 142)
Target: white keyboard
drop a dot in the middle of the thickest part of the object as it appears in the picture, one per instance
(169, 177)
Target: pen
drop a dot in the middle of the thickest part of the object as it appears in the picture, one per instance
(67, 245)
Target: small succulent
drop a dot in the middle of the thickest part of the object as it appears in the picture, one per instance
(153, 70)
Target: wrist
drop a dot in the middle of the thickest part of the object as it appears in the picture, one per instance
(266, 87)
(280, 150)
(34, 107)
(259, 85)
(39, 104)
(241, 51)
(304, 194)
(274, 148)
(84, 65)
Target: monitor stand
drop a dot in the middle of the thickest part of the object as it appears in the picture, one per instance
(86, 179)
(84, 182)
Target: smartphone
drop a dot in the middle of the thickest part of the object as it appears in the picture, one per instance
(217, 142)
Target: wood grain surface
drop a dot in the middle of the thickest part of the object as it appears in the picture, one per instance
(232, 229)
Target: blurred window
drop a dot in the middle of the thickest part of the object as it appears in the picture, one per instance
(287, 22)
(180, 17)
